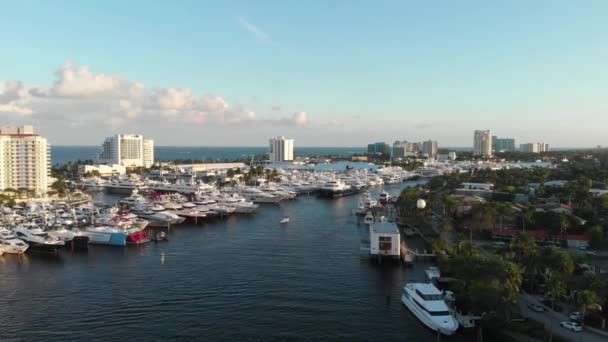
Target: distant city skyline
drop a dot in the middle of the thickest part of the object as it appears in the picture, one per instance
(234, 73)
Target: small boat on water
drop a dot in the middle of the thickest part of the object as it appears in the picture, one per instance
(161, 236)
(285, 220)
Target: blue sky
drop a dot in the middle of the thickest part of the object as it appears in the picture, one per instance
(329, 73)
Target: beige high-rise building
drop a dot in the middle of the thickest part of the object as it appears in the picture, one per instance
(482, 143)
(429, 148)
(534, 147)
(25, 160)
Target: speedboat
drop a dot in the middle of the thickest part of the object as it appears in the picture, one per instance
(38, 239)
(285, 220)
(427, 303)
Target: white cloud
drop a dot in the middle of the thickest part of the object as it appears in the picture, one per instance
(80, 97)
(11, 108)
(12, 94)
(300, 118)
(256, 31)
(79, 81)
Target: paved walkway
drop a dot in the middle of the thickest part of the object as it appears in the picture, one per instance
(551, 319)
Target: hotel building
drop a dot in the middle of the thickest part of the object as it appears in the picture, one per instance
(128, 150)
(25, 160)
(280, 149)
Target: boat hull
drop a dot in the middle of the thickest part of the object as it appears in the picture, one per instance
(107, 238)
(138, 237)
(414, 309)
(14, 249)
(336, 193)
(43, 248)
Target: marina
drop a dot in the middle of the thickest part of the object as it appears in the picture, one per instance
(273, 272)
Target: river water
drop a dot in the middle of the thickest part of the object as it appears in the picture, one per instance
(241, 278)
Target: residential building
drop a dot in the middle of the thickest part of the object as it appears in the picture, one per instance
(379, 148)
(534, 147)
(280, 150)
(429, 148)
(503, 144)
(482, 143)
(25, 160)
(400, 149)
(128, 150)
(452, 155)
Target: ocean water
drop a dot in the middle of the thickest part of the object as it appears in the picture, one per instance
(245, 278)
(64, 154)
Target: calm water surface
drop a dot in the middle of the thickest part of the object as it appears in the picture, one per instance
(243, 278)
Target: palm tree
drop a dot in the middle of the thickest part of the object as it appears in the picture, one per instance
(502, 209)
(527, 215)
(564, 223)
(449, 203)
(555, 288)
(589, 301)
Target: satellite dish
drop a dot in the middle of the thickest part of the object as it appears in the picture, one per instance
(421, 204)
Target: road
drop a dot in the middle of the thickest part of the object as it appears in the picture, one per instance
(548, 316)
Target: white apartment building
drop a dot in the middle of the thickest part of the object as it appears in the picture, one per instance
(280, 150)
(482, 143)
(534, 147)
(128, 150)
(25, 159)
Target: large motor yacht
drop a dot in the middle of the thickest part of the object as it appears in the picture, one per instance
(336, 188)
(426, 302)
(38, 239)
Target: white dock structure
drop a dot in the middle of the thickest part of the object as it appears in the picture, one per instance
(385, 240)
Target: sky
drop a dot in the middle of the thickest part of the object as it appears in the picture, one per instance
(326, 73)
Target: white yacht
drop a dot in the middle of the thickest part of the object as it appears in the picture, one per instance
(124, 186)
(9, 243)
(426, 302)
(258, 196)
(38, 239)
(181, 187)
(336, 188)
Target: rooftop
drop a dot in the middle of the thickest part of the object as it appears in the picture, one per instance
(384, 228)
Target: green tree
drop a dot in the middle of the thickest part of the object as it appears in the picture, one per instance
(407, 201)
(596, 237)
(589, 300)
(449, 204)
(502, 209)
(527, 218)
(446, 225)
(555, 288)
(557, 260)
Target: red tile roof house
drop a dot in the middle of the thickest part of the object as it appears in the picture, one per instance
(572, 240)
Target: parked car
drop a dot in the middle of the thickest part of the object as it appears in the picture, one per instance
(575, 316)
(536, 307)
(572, 326)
